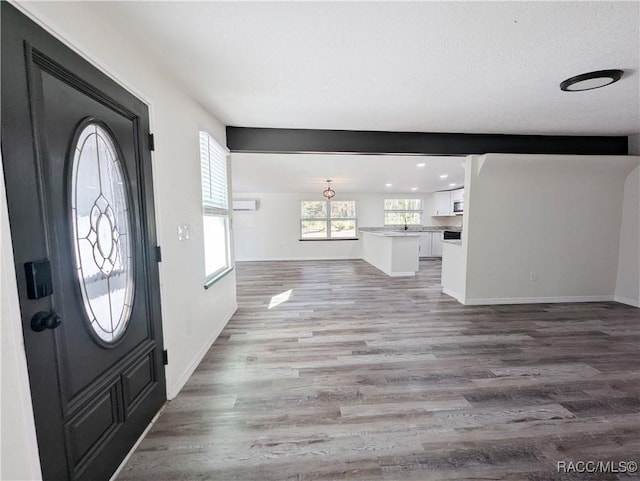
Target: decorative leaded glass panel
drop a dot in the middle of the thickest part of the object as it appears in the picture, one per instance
(101, 232)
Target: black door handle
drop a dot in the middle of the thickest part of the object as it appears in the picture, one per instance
(45, 320)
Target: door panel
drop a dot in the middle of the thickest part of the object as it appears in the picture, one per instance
(93, 394)
(85, 431)
(140, 377)
(76, 344)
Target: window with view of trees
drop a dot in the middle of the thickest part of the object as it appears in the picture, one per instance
(322, 219)
(402, 211)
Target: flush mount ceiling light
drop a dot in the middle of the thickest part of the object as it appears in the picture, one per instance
(329, 193)
(591, 80)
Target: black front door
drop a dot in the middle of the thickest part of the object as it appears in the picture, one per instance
(78, 176)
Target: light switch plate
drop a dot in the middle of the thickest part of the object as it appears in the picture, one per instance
(183, 232)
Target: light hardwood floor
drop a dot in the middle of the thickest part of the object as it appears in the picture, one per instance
(331, 370)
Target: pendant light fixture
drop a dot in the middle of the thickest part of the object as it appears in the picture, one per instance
(329, 192)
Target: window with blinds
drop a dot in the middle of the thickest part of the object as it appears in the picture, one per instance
(213, 165)
(215, 207)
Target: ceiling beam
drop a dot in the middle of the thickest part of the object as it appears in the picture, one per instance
(251, 139)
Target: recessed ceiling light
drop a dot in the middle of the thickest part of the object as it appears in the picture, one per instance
(414, 188)
(444, 176)
(451, 185)
(388, 185)
(421, 164)
(591, 80)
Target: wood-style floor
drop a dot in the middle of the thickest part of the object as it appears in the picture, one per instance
(331, 370)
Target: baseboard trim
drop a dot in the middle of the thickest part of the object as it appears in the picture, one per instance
(536, 300)
(625, 300)
(269, 259)
(400, 274)
(137, 443)
(453, 294)
(173, 391)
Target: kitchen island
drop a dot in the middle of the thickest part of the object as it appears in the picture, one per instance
(394, 253)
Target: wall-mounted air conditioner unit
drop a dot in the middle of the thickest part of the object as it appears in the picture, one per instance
(245, 204)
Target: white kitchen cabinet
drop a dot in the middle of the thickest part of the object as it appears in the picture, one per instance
(430, 244)
(457, 195)
(444, 202)
(425, 244)
(436, 244)
(444, 206)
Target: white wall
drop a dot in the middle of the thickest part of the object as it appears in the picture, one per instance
(192, 316)
(628, 278)
(273, 231)
(564, 217)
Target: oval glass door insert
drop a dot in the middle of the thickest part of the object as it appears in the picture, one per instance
(101, 232)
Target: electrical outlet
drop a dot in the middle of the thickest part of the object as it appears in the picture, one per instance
(183, 232)
(533, 277)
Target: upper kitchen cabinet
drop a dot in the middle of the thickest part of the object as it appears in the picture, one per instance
(444, 202)
(457, 195)
(457, 201)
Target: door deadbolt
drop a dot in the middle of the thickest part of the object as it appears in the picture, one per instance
(45, 320)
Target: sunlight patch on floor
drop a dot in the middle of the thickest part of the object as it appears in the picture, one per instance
(280, 298)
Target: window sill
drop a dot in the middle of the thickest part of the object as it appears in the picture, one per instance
(331, 240)
(216, 277)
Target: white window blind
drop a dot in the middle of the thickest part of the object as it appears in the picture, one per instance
(213, 164)
(215, 207)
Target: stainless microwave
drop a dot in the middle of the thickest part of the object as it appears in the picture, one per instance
(458, 207)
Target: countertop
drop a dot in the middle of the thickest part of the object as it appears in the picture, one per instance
(393, 233)
(456, 242)
(411, 229)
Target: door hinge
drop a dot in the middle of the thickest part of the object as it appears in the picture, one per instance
(165, 357)
(158, 254)
(152, 143)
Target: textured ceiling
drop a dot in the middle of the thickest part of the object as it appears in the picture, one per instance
(489, 67)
